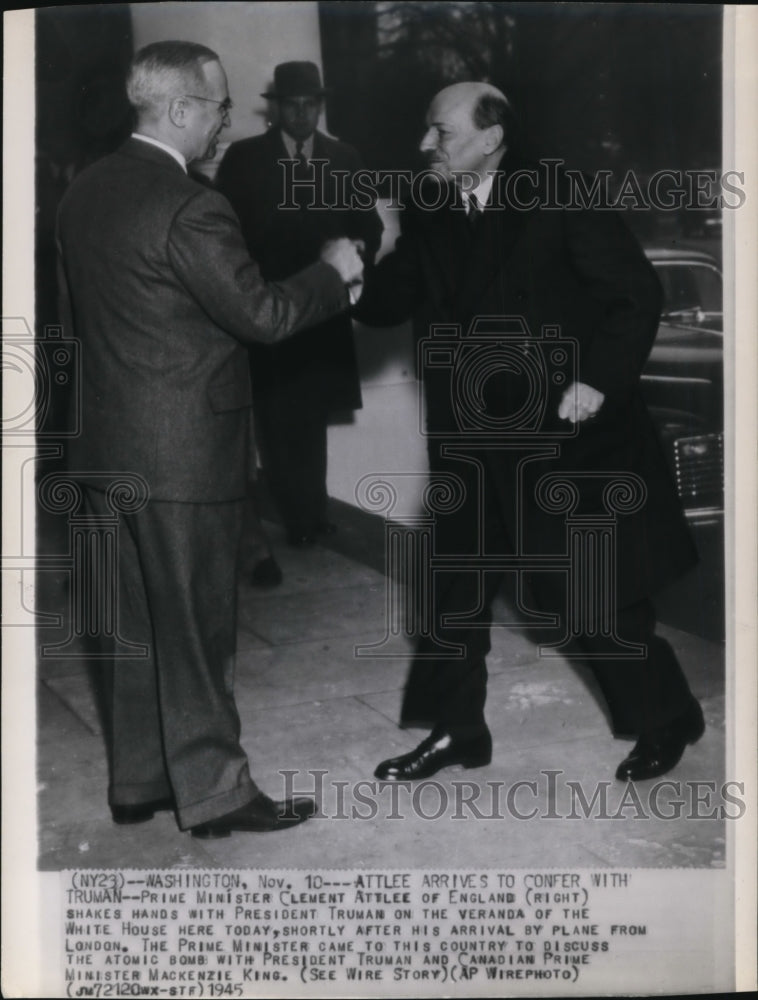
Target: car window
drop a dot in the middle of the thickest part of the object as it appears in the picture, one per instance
(692, 293)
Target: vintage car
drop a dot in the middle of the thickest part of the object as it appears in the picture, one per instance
(683, 379)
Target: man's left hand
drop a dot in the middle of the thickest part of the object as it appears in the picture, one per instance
(580, 402)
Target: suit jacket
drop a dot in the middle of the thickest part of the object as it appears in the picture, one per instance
(321, 365)
(580, 270)
(163, 295)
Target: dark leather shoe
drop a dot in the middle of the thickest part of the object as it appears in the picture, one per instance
(266, 573)
(262, 815)
(438, 750)
(140, 813)
(657, 752)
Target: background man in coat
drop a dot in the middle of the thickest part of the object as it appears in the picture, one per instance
(298, 384)
(492, 248)
(163, 295)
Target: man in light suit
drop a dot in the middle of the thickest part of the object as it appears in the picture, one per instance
(497, 243)
(164, 297)
(298, 384)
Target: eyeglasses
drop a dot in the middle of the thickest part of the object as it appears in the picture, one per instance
(225, 106)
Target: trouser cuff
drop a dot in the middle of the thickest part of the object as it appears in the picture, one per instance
(218, 805)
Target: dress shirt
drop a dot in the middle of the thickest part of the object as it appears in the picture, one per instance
(481, 193)
(291, 144)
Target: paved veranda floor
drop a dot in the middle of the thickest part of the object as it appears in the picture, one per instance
(309, 705)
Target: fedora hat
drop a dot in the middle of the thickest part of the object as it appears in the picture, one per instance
(296, 79)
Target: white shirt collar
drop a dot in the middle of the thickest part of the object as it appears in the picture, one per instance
(162, 145)
(290, 145)
(482, 192)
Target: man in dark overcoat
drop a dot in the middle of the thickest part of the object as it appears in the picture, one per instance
(163, 295)
(287, 210)
(545, 442)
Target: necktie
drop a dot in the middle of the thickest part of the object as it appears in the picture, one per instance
(303, 195)
(473, 210)
(302, 163)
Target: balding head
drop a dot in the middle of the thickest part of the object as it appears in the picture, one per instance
(466, 129)
(469, 93)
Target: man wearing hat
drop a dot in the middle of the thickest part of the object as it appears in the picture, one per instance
(297, 385)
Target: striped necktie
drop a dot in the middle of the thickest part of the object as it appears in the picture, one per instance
(473, 211)
(303, 193)
(302, 162)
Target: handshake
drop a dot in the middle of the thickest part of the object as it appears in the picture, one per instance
(345, 256)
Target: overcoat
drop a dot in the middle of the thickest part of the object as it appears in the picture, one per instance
(549, 269)
(322, 364)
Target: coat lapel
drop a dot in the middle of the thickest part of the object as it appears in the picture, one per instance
(274, 175)
(447, 237)
(319, 152)
(492, 244)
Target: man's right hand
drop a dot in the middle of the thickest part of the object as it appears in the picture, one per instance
(343, 255)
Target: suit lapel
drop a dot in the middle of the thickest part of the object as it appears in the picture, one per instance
(492, 243)
(319, 153)
(275, 174)
(448, 239)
